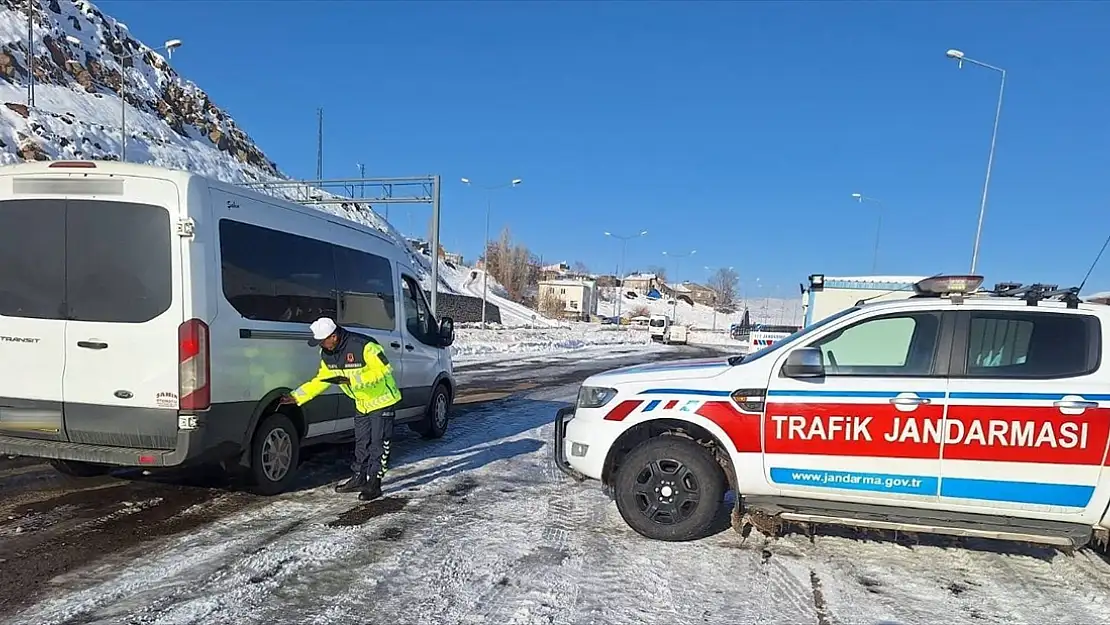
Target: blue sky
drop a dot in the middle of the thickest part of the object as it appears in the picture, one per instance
(739, 129)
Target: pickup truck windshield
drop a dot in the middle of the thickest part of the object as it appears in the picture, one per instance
(736, 360)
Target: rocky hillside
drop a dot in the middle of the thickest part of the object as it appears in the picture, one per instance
(80, 58)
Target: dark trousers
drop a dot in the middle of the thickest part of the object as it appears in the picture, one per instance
(372, 434)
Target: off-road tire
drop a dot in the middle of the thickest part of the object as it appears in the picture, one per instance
(261, 483)
(669, 451)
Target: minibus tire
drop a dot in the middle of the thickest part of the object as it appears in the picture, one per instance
(671, 464)
(75, 468)
(431, 427)
(273, 428)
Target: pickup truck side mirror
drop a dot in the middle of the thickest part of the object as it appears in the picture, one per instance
(446, 332)
(805, 362)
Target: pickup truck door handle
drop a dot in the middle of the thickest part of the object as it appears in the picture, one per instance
(409, 347)
(909, 401)
(1075, 404)
(92, 344)
(395, 345)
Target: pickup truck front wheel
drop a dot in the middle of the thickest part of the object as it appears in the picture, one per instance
(670, 488)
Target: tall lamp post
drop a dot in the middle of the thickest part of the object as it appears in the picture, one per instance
(878, 229)
(485, 250)
(674, 292)
(169, 47)
(960, 59)
(624, 239)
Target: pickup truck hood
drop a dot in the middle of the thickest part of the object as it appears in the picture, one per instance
(672, 370)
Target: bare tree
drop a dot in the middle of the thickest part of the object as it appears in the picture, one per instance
(723, 283)
(512, 265)
(580, 268)
(641, 311)
(551, 305)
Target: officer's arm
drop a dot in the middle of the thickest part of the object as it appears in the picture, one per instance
(377, 365)
(305, 392)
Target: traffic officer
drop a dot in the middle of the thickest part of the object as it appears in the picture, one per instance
(359, 366)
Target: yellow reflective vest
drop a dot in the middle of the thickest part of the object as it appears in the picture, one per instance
(363, 362)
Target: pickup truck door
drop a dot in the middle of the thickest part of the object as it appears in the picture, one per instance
(869, 429)
(1029, 416)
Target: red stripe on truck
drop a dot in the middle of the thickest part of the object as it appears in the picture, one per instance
(622, 410)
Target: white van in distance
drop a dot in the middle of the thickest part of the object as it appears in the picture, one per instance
(658, 326)
(957, 411)
(152, 318)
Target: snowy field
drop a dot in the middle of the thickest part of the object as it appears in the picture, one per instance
(587, 340)
(481, 528)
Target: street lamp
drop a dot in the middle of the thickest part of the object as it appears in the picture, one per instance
(485, 251)
(878, 229)
(960, 59)
(620, 279)
(169, 47)
(674, 292)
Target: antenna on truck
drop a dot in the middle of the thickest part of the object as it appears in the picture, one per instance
(1092, 267)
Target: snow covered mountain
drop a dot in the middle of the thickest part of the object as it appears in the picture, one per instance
(80, 58)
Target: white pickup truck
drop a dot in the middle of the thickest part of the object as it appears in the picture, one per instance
(957, 411)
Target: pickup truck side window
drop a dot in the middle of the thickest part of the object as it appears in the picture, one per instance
(902, 344)
(1017, 344)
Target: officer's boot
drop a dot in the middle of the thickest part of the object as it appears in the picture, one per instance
(353, 484)
(372, 490)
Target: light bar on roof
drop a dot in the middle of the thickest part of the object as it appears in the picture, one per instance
(73, 164)
(948, 285)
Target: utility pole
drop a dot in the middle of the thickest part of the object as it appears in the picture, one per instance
(435, 243)
(319, 144)
(30, 53)
(361, 185)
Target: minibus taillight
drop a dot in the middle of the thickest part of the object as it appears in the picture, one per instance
(194, 366)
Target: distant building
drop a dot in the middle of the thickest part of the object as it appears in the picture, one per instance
(606, 281)
(554, 271)
(570, 299)
(700, 293)
(641, 283)
(453, 258)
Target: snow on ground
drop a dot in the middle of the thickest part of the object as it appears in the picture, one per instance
(578, 340)
(762, 310)
(473, 344)
(480, 527)
(723, 339)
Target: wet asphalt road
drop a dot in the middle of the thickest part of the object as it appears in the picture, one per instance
(51, 524)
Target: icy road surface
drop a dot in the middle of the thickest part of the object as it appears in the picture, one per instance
(481, 528)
